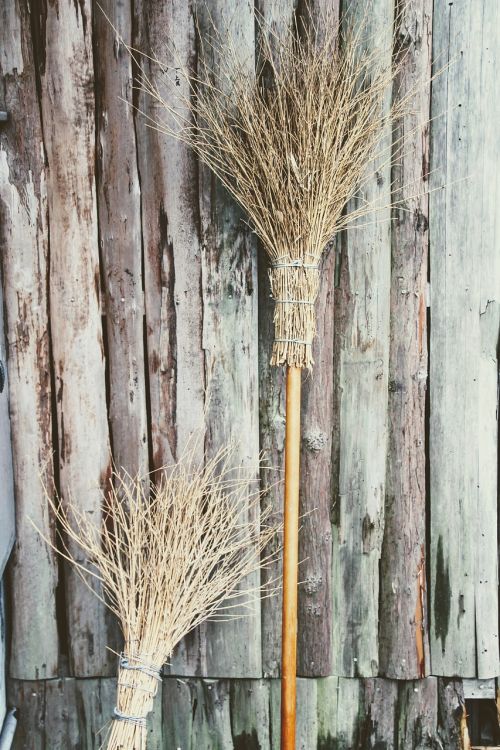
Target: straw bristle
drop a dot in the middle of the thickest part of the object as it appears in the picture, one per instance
(291, 142)
(166, 557)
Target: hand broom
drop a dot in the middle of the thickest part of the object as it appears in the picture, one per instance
(168, 555)
(293, 153)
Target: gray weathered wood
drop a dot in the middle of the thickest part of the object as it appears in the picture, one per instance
(67, 82)
(276, 15)
(451, 712)
(362, 354)
(314, 643)
(197, 714)
(29, 699)
(404, 651)
(417, 715)
(61, 722)
(25, 247)
(307, 719)
(119, 211)
(465, 310)
(3, 654)
(7, 525)
(250, 719)
(172, 260)
(229, 290)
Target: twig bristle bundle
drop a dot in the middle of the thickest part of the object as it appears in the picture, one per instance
(167, 556)
(291, 141)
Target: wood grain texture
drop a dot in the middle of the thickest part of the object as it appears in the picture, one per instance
(250, 714)
(120, 233)
(171, 236)
(206, 723)
(229, 291)
(33, 572)
(277, 16)
(29, 699)
(404, 651)
(7, 523)
(314, 653)
(362, 362)
(65, 61)
(465, 312)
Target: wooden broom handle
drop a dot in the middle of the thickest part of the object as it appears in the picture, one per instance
(290, 559)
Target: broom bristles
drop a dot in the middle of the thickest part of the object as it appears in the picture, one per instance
(167, 556)
(293, 151)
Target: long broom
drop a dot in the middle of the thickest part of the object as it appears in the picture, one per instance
(167, 556)
(293, 153)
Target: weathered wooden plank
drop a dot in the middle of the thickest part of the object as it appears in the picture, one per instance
(197, 714)
(7, 525)
(451, 712)
(403, 636)
(362, 354)
(276, 15)
(61, 719)
(417, 715)
(29, 698)
(307, 717)
(95, 700)
(25, 246)
(465, 309)
(3, 655)
(119, 211)
(229, 290)
(378, 714)
(314, 642)
(250, 719)
(172, 262)
(67, 93)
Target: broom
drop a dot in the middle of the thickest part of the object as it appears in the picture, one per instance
(293, 153)
(167, 556)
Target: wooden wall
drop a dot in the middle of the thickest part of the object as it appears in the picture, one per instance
(130, 281)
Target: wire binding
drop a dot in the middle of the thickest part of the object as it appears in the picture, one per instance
(140, 666)
(139, 721)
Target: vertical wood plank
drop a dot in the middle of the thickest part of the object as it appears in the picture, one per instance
(119, 212)
(197, 714)
(250, 718)
(307, 714)
(3, 655)
(314, 643)
(29, 699)
(172, 262)
(380, 711)
(61, 719)
(7, 525)
(404, 651)
(451, 707)
(95, 700)
(172, 259)
(25, 246)
(417, 719)
(67, 85)
(277, 16)
(465, 313)
(362, 354)
(229, 289)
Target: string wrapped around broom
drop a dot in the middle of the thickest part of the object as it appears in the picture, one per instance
(167, 556)
(292, 143)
